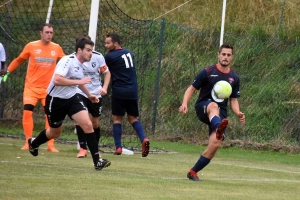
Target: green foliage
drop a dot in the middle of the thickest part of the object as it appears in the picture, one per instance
(265, 35)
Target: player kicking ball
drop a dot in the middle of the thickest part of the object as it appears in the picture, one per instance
(210, 108)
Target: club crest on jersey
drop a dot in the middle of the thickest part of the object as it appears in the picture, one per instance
(52, 53)
(93, 64)
(230, 80)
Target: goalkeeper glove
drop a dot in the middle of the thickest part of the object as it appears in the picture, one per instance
(5, 76)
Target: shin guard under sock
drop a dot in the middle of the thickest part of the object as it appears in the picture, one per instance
(27, 123)
(200, 164)
(97, 133)
(40, 139)
(215, 121)
(117, 133)
(81, 137)
(93, 146)
(138, 127)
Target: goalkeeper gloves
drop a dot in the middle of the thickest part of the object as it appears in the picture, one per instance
(5, 76)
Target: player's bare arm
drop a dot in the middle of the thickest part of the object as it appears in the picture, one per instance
(91, 97)
(236, 110)
(103, 90)
(59, 80)
(186, 98)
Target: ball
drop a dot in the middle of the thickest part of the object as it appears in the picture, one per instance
(222, 90)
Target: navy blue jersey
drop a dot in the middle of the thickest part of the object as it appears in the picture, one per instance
(208, 77)
(123, 75)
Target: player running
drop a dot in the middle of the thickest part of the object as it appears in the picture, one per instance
(63, 99)
(211, 110)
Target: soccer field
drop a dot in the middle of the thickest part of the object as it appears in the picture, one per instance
(232, 174)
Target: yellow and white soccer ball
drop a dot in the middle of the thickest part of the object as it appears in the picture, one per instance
(221, 90)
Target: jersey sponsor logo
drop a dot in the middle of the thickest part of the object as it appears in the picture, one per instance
(74, 78)
(213, 75)
(44, 60)
(38, 51)
(53, 53)
(89, 73)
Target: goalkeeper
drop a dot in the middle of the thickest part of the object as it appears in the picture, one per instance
(42, 55)
(209, 109)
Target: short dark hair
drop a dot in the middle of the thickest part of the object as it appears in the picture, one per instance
(226, 46)
(46, 24)
(114, 37)
(80, 44)
(83, 35)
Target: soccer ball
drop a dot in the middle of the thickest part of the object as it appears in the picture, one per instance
(222, 90)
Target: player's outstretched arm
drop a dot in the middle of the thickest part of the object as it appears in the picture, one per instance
(12, 67)
(186, 98)
(236, 110)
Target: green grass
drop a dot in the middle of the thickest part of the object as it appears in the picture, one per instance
(232, 174)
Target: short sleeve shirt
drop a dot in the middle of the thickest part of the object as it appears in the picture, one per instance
(208, 77)
(42, 62)
(71, 68)
(123, 74)
(94, 68)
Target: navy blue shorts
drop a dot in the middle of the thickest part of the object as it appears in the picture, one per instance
(121, 106)
(57, 109)
(93, 108)
(201, 111)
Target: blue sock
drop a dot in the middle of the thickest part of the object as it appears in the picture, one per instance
(200, 164)
(138, 127)
(215, 121)
(117, 133)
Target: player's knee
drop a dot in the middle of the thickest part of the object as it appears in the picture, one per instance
(213, 108)
(54, 132)
(87, 127)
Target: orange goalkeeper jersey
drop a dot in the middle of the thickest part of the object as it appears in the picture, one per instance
(41, 64)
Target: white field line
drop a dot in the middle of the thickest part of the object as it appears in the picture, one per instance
(254, 167)
(143, 175)
(219, 163)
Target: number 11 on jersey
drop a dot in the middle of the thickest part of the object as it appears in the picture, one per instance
(126, 57)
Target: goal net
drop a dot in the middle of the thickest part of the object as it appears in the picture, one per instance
(20, 22)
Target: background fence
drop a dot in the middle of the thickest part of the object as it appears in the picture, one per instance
(168, 57)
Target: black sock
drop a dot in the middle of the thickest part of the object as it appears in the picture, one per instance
(81, 137)
(97, 133)
(40, 139)
(93, 146)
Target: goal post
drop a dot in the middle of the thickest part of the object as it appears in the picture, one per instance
(223, 22)
(49, 11)
(94, 20)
